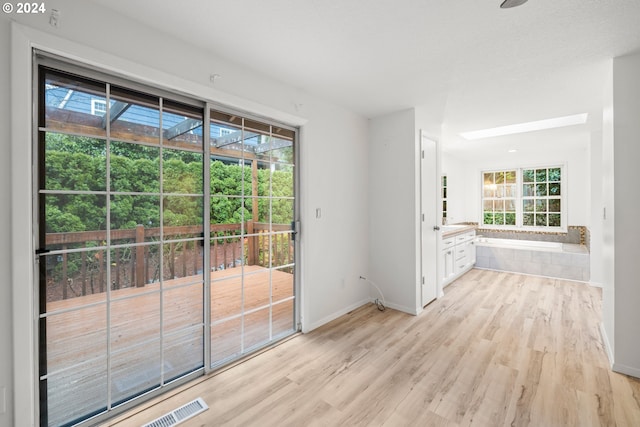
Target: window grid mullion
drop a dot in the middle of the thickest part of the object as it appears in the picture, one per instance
(554, 217)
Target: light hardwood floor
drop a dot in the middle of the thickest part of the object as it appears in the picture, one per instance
(499, 349)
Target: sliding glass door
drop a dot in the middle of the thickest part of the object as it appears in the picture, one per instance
(134, 291)
(252, 239)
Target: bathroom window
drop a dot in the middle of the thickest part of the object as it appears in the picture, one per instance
(542, 197)
(530, 198)
(499, 198)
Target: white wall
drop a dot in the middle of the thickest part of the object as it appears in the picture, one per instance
(333, 163)
(393, 234)
(464, 172)
(626, 157)
(394, 205)
(596, 214)
(335, 177)
(6, 357)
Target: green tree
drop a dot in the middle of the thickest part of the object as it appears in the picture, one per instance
(75, 163)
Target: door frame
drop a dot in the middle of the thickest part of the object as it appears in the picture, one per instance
(430, 262)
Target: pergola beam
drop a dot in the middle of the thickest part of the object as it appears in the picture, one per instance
(233, 138)
(275, 144)
(116, 110)
(181, 128)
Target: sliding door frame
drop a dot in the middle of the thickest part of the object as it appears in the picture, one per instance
(44, 59)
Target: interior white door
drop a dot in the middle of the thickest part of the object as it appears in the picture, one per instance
(429, 221)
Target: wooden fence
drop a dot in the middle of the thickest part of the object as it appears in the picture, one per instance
(137, 264)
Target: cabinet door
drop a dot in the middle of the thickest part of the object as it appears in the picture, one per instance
(471, 253)
(461, 252)
(461, 258)
(449, 264)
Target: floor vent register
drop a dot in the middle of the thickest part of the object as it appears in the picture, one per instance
(180, 414)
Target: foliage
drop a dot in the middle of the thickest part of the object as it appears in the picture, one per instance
(75, 163)
(488, 218)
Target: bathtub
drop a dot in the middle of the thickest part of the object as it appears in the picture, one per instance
(526, 244)
(550, 259)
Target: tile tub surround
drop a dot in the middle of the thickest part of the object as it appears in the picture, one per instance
(576, 234)
(567, 261)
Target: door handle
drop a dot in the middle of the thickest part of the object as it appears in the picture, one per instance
(295, 228)
(436, 228)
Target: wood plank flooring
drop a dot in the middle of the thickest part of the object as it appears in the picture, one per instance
(499, 349)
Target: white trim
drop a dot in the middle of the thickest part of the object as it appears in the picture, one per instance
(412, 311)
(308, 328)
(606, 344)
(95, 103)
(22, 262)
(429, 267)
(616, 367)
(23, 40)
(596, 284)
(627, 370)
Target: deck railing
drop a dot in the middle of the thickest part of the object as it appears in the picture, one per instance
(137, 264)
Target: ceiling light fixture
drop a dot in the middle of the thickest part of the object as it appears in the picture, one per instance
(576, 119)
(506, 4)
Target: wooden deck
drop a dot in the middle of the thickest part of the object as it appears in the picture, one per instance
(78, 344)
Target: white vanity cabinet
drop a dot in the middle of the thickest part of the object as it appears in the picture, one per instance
(459, 255)
(449, 257)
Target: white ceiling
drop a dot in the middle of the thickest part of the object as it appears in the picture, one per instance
(470, 63)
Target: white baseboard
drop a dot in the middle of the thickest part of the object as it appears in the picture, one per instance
(333, 316)
(408, 310)
(627, 370)
(606, 343)
(616, 367)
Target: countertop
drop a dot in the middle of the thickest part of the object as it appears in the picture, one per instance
(455, 229)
